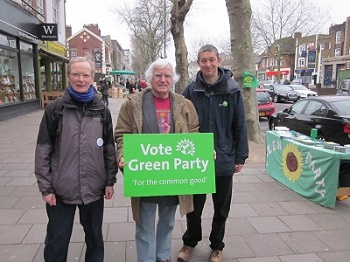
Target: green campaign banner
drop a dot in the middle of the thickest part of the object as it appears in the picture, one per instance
(168, 164)
(311, 171)
(248, 80)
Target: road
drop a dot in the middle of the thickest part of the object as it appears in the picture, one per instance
(264, 123)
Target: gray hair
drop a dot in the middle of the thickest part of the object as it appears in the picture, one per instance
(208, 48)
(160, 64)
(80, 59)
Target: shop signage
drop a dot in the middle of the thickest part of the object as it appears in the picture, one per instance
(168, 164)
(275, 72)
(28, 36)
(48, 32)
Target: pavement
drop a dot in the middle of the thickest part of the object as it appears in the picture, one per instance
(268, 222)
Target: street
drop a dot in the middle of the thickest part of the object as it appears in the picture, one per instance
(264, 123)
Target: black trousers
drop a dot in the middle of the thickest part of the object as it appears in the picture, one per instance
(59, 230)
(105, 99)
(222, 202)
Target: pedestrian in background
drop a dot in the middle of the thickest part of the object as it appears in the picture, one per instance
(129, 86)
(218, 101)
(105, 91)
(156, 110)
(75, 164)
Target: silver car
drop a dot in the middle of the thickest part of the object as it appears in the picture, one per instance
(303, 91)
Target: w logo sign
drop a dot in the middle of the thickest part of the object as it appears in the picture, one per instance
(48, 32)
(48, 29)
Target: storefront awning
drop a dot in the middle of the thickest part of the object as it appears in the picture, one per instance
(55, 56)
(274, 73)
(121, 72)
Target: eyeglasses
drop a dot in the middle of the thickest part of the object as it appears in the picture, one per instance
(76, 75)
(159, 76)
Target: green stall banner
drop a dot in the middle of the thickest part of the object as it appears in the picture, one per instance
(168, 164)
(248, 80)
(310, 171)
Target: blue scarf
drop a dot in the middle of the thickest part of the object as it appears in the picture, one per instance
(82, 97)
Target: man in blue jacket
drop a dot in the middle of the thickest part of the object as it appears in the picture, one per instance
(219, 104)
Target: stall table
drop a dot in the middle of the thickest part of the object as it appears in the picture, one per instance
(314, 172)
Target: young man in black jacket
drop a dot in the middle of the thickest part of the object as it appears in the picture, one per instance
(219, 104)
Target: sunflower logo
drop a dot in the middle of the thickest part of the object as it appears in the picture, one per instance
(186, 147)
(292, 162)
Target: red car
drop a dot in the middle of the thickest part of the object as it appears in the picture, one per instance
(265, 105)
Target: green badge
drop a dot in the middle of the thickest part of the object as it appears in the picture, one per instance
(225, 103)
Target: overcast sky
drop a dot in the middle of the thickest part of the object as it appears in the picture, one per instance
(207, 18)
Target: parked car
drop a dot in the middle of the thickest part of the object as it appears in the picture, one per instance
(265, 83)
(344, 87)
(265, 106)
(330, 115)
(303, 91)
(279, 92)
(298, 81)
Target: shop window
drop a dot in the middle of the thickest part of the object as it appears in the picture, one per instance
(28, 76)
(43, 78)
(9, 77)
(7, 41)
(25, 47)
(56, 76)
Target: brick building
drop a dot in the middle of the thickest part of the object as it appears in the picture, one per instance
(88, 42)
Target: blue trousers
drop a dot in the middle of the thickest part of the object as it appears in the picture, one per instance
(222, 202)
(60, 226)
(151, 245)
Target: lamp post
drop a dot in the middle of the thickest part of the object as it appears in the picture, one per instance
(164, 28)
(319, 65)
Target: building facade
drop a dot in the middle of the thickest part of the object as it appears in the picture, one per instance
(316, 59)
(335, 55)
(89, 43)
(24, 54)
(272, 66)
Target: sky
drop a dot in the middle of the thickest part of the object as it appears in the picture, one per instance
(207, 19)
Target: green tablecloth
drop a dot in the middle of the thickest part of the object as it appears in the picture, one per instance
(311, 171)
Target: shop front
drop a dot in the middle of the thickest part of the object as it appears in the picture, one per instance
(52, 66)
(273, 74)
(18, 62)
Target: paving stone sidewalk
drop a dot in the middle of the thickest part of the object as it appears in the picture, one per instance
(268, 222)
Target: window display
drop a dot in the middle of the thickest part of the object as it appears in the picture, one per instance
(56, 76)
(28, 77)
(9, 85)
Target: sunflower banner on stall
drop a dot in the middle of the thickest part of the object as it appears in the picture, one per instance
(248, 80)
(308, 170)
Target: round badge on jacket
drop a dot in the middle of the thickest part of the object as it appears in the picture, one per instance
(99, 142)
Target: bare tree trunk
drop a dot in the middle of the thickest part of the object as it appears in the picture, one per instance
(240, 12)
(178, 14)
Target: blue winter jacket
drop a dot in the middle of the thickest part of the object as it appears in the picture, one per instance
(221, 111)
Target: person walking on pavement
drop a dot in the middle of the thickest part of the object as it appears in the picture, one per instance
(218, 101)
(156, 110)
(75, 164)
(105, 91)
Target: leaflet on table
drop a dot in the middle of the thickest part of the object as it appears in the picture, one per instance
(284, 132)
